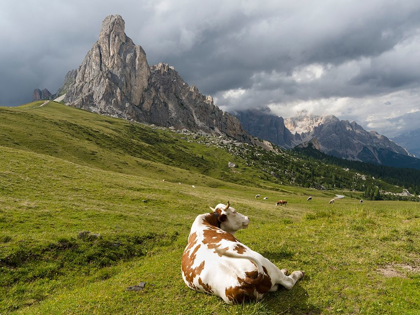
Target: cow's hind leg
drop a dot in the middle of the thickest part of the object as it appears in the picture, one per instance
(289, 281)
(280, 276)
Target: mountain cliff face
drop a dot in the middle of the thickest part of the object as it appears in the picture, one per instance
(344, 139)
(267, 126)
(115, 79)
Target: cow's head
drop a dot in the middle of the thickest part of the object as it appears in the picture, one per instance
(230, 220)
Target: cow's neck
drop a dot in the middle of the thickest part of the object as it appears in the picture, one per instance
(212, 219)
(227, 230)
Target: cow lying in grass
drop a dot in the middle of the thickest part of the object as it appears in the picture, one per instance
(215, 262)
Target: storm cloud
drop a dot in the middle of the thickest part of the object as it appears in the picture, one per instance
(357, 60)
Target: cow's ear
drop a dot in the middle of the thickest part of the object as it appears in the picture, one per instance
(222, 218)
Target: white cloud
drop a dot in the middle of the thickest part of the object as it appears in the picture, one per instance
(308, 73)
(234, 94)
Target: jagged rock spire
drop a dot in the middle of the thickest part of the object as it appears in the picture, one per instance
(113, 75)
(115, 79)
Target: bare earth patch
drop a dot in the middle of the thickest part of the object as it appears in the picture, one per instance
(398, 270)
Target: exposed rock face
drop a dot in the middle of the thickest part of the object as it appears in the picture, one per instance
(115, 79)
(343, 139)
(264, 125)
(37, 95)
(304, 123)
(68, 80)
(114, 74)
(41, 95)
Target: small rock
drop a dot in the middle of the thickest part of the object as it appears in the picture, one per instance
(139, 287)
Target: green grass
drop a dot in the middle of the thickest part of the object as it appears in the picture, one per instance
(52, 187)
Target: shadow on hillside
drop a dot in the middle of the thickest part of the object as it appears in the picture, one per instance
(293, 301)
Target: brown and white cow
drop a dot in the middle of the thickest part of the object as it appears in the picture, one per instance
(281, 202)
(215, 262)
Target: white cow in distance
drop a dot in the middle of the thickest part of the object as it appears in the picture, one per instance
(215, 262)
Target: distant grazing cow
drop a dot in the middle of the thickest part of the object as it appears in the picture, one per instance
(257, 196)
(361, 200)
(309, 198)
(215, 262)
(332, 201)
(281, 202)
(265, 198)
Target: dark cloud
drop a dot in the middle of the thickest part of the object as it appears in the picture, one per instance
(247, 54)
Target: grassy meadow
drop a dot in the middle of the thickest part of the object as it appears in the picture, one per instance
(91, 205)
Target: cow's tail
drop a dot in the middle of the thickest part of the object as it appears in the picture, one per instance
(232, 254)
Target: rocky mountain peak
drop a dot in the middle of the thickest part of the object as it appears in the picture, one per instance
(265, 125)
(115, 79)
(162, 67)
(113, 26)
(304, 122)
(113, 75)
(41, 95)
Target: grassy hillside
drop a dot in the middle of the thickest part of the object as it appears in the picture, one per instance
(66, 172)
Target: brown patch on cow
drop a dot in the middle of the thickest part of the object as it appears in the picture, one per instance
(249, 287)
(240, 248)
(211, 218)
(213, 235)
(188, 259)
(206, 287)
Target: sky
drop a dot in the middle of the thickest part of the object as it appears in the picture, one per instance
(358, 60)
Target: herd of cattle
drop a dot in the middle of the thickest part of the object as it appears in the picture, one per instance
(284, 202)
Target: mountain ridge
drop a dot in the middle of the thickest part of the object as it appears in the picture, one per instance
(339, 138)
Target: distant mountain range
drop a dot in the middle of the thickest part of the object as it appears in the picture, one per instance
(328, 134)
(115, 79)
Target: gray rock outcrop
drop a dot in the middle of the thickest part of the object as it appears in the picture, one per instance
(41, 95)
(115, 79)
(264, 125)
(68, 80)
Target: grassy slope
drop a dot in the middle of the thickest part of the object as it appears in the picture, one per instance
(52, 187)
